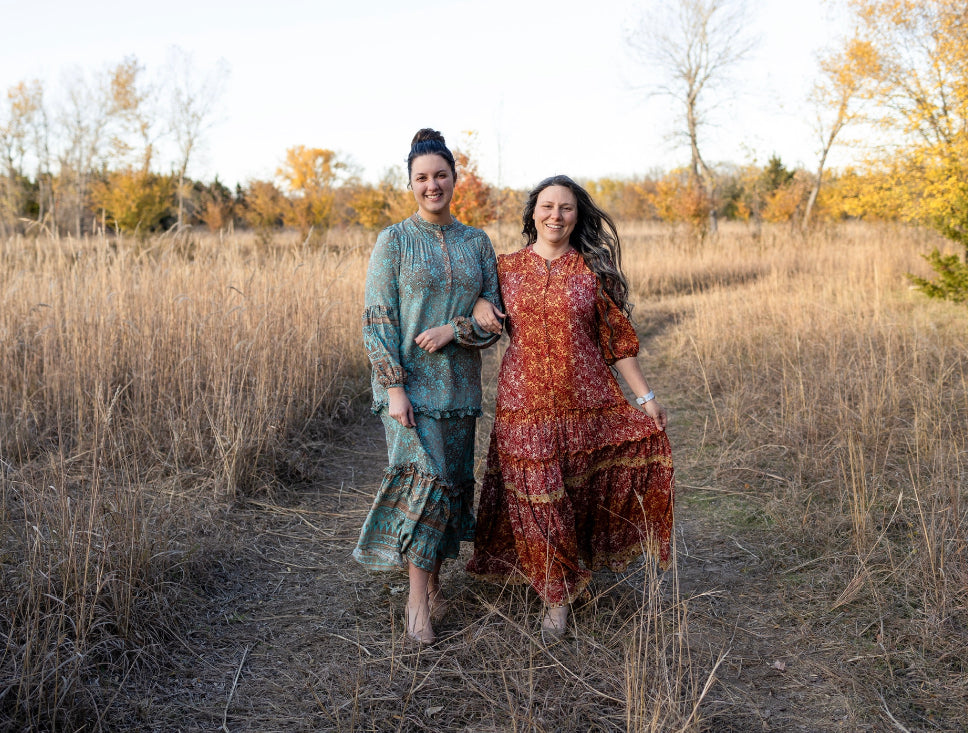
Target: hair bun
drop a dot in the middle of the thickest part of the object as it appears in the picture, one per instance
(425, 134)
(428, 141)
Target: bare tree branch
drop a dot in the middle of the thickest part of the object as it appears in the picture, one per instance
(194, 96)
(693, 45)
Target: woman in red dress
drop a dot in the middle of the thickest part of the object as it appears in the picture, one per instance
(577, 479)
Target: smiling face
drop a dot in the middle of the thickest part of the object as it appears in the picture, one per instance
(432, 182)
(555, 216)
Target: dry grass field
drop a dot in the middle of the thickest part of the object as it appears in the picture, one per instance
(187, 457)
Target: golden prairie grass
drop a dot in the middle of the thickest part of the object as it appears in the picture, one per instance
(834, 381)
(838, 397)
(202, 351)
(145, 386)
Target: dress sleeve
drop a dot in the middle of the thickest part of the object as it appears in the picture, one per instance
(466, 331)
(616, 334)
(381, 312)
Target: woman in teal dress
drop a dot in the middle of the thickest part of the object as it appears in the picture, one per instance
(425, 275)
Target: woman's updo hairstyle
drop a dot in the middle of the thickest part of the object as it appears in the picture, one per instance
(430, 142)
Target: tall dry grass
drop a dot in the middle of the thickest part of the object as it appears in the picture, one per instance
(143, 386)
(838, 396)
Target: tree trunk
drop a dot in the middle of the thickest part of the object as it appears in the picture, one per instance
(181, 199)
(815, 190)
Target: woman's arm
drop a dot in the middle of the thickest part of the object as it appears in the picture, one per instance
(632, 374)
(488, 316)
(436, 338)
(620, 348)
(399, 406)
(381, 327)
(482, 328)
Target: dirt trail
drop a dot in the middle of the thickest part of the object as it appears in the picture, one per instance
(297, 637)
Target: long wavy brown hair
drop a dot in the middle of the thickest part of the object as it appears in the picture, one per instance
(595, 238)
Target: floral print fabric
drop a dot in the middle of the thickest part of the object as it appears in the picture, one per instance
(424, 508)
(577, 479)
(423, 275)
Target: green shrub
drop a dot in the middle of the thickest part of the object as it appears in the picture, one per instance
(952, 281)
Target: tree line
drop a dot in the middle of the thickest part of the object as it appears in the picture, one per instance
(115, 153)
(316, 189)
(97, 153)
(894, 87)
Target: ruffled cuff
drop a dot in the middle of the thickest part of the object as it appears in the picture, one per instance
(381, 338)
(471, 336)
(389, 374)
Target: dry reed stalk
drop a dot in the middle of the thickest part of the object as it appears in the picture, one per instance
(844, 390)
(141, 386)
(663, 691)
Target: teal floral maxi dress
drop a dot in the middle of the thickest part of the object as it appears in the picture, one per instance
(423, 275)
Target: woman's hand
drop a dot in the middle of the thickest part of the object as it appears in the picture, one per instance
(400, 408)
(436, 338)
(488, 316)
(657, 412)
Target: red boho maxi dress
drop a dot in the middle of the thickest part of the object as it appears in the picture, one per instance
(577, 479)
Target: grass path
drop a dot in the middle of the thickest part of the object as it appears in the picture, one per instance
(297, 637)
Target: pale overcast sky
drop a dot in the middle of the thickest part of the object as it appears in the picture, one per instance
(549, 87)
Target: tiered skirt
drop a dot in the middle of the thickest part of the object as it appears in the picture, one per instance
(569, 492)
(423, 509)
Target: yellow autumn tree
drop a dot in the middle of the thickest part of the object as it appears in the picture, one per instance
(263, 206)
(370, 206)
(22, 132)
(873, 193)
(134, 200)
(847, 81)
(678, 198)
(216, 206)
(921, 75)
(785, 202)
(378, 206)
(134, 131)
(630, 200)
(310, 177)
(778, 193)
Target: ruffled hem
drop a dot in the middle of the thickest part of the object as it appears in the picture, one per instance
(541, 435)
(503, 571)
(552, 523)
(416, 518)
(376, 407)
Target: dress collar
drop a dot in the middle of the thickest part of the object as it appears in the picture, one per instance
(422, 223)
(541, 259)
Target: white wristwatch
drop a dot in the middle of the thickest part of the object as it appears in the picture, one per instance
(647, 397)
